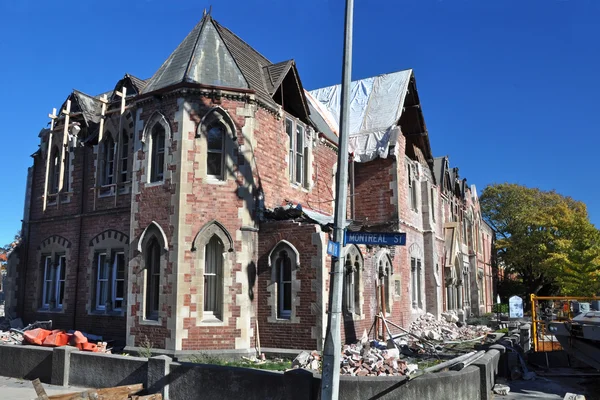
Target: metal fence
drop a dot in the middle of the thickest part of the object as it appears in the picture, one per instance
(545, 309)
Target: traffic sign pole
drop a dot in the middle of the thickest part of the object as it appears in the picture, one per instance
(330, 379)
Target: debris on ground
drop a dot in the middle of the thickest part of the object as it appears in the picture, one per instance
(446, 329)
(426, 341)
(501, 389)
(40, 333)
(117, 392)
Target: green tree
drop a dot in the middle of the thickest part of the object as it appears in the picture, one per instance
(545, 239)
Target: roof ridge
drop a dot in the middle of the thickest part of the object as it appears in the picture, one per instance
(219, 26)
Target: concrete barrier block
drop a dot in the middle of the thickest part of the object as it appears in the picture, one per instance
(158, 372)
(298, 384)
(106, 370)
(26, 362)
(61, 365)
(488, 369)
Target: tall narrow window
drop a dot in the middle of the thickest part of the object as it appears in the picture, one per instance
(215, 138)
(152, 279)
(108, 148)
(385, 270)
(213, 277)
(353, 266)
(289, 129)
(413, 280)
(118, 287)
(54, 171)
(102, 281)
(298, 162)
(284, 285)
(350, 282)
(432, 202)
(299, 153)
(124, 167)
(306, 167)
(67, 172)
(412, 189)
(48, 282)
(157, 163)
(419, 284)
(54, 281)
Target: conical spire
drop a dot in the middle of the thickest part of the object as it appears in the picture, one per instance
(202, 57)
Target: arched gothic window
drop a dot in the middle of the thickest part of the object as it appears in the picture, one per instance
(213, 277)
(157, 153)
(152, 278)
(353, 268)
(108, 169)
(54, 171)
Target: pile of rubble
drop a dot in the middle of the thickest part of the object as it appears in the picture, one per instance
(448, 328)
(361, 359)
(40, 333)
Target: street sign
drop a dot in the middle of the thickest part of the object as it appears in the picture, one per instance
(382, 238)
(515, 307)
(333, 248)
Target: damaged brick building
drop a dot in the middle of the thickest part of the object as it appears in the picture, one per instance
(194, 208)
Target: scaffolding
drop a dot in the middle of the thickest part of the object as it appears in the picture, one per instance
(546, 309)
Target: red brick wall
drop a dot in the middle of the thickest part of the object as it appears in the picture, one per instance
(153, 204)
(286, 334)
(372, 191)
(65, 220)
(271, 152)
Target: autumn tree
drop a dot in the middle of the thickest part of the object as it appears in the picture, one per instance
(544, 239)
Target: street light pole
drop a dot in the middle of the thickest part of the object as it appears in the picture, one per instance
(330, 380)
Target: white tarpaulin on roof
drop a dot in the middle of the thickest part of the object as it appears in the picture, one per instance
(375, 108)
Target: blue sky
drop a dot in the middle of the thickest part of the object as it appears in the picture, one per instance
(509, 88)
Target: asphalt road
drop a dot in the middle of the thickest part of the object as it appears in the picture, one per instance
(20, 389)
(552, 388)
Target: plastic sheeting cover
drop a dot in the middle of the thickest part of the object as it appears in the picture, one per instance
(375, 108)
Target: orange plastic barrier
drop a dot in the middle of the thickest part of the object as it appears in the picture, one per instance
(36, 336)
(56, 338)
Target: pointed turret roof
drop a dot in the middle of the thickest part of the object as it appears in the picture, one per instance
(213, 55)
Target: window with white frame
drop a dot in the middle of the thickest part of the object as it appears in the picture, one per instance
(215, 141)
(67, 171)
(124, 162)
(299, 157)
(152, 288)
(54, 273)
(412, 189)
(108, 167)
(415, 273)
(353, 266)
(432, 203)
(213, 278)
(157, 153)
(110, 280)
(54, 172)
(283, 265)
(384, 273)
